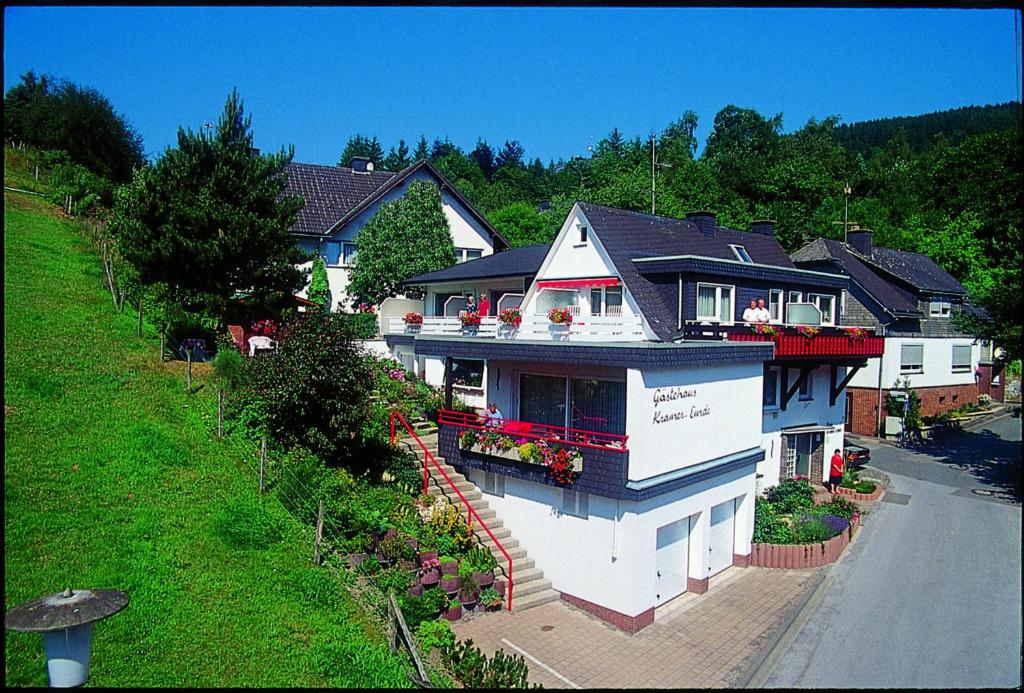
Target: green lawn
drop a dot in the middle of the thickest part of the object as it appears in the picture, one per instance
(113, 479)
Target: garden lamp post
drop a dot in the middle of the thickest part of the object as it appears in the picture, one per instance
(65, 619)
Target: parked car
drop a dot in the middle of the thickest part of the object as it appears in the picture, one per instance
(856, 455)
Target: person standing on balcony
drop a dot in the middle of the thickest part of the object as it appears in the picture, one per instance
(835, 475)
(485, 305)
(494, 418)
(762, 314)
(470, 304)
(750, 314)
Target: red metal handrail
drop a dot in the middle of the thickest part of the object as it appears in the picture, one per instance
(469, 508)
(580, 437)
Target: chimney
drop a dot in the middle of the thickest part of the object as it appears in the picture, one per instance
(705, 222)
(361, 165)
(254, 151)
(860, 239)
(764, 227)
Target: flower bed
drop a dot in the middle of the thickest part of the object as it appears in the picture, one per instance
(854, 494)
(803, 555)
(564, 464)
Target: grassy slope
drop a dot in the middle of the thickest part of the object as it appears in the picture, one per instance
(112, 479)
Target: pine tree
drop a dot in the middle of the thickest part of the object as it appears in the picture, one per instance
(422, 149)
(398, 159)
(360, 146)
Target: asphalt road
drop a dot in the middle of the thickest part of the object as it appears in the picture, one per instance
(929, 593)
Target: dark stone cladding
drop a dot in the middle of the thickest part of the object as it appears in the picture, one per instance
(619, 354)
(735, 269)
(403, 339)
(605, 472)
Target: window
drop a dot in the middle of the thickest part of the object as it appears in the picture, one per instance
(583, 236)
(771, 388)
(796, 296)
(961, 358)
(606, 301)
(351, 250)
(467, 254)
(468, 372)
(938, 309)
(332, 252)
(494, 484)
(826, 304)
(598, 405)
(542, 399)
(551, 298)
(775, 305)
(790, 463)
(741, 253)
(912, 358)
(807, 388)
(714, 303)
(575, 503)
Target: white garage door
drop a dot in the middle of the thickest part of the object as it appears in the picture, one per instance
(671, 559)
(722, 532)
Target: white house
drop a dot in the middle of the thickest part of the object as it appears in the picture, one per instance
(910, 300)
(341, 200)
(680, 413)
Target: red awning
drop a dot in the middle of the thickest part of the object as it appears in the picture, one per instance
(577, 283)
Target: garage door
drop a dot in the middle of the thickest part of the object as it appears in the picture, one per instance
(671, 559)
(722, 531)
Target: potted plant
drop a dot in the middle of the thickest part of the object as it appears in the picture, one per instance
(413, 321)
(416, 590)
(855, 332)
(489, 599)
(393, 549)
(509, 320)
(762, 328)
(437, 599)
(499, 587)
(468, 589)
(560, 316)
(482, 562)
(426, 556)
(470, 321)
(430, 572)
(448, 565)
(808, 331)
(454, 611)
(450, 583)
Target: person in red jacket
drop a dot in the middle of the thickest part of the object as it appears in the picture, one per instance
(835, 475)
(485, 305)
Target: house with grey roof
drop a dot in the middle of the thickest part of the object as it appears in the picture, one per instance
(340, 200)
(622, 350)
(909, 299)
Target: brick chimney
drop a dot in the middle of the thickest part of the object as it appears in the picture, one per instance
(763, 227)
(361, 165)
(705, 222)
(860, 239)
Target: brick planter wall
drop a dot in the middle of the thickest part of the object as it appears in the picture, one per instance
(853, 495)
(934, 400)
(802, 555)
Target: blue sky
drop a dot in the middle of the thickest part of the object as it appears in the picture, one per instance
(556, 79)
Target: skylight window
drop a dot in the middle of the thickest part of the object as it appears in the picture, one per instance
(741, 253)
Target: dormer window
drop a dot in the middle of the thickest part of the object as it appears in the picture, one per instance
(939, 309)
(741, 253)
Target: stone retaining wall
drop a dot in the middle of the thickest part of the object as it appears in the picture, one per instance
(853, 495)
(802, 555)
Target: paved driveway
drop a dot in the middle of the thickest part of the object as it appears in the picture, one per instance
(713, 640)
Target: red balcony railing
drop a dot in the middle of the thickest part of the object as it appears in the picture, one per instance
(537, 431)
(790, 344)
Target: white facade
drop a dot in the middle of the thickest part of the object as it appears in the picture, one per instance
(937, 367)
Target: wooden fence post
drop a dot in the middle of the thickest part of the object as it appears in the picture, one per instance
(138, 329)
(188, 370)
(220, 412)
(163, 336)
(319, 533)
(392, 631)
(263, 462)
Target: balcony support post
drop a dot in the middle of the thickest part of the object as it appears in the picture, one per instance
(787, 394)
(447, 382)
(837, 387)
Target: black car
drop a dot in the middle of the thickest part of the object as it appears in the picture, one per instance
(856, 455)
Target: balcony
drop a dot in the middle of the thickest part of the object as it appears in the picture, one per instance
(584, 328)
(798, 341)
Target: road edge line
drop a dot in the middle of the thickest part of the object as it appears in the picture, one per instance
(533, 659)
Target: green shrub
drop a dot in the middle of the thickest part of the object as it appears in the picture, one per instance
(247, 523)
(434, 633)
(838, 506)
(791, 495)
(363, 325)
(319, 289)
(489, 597)
(864, 487)
(296, 480)
(395, 548)
(436, 598)
(809, 529)
(475, 670)
(416, 610)
(480, 559)
(768, 527)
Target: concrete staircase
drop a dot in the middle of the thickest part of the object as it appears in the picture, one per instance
(530, 586)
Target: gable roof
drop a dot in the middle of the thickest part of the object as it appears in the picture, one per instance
(336, 194)
(875, 274)
(524, 261)
(627, 236)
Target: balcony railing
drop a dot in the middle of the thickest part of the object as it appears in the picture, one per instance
(798, 341)
(537, 431)
(587, 328)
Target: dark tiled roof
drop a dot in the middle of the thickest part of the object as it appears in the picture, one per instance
(514, 262)
(916, 269)
(330, 193)
(888, 294)
(628, 235)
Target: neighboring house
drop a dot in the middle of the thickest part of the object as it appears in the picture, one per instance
(910, 300)
(341, 200)
(682, 414)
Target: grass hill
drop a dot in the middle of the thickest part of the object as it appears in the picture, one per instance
(921, 130)
(113, 479)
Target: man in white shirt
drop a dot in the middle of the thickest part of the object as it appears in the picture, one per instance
(762, 314)
(750, 314)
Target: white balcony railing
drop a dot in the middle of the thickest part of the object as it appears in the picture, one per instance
(586, 328)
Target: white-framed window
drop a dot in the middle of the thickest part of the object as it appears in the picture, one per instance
(775, 305)
(494, 484)
(806, 391)
(555, 298)
(912, 358)
(961, 358)
(715, 302)
(826, 303)
(467, 254)
(938, 309)
(796, 296)
(349, 252)
(575, 503)
(606, 300)
(771, 388)
(468, 373)
(741, 253)
(790, 462)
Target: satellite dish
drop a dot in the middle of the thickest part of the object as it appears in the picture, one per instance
(999, 353)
